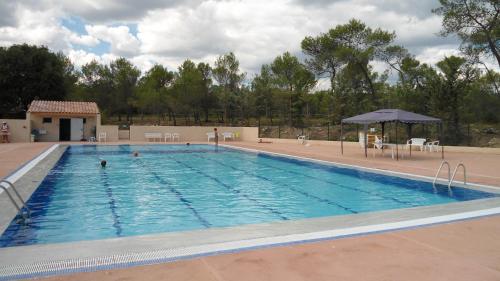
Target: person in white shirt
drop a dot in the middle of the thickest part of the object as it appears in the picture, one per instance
(4, 131)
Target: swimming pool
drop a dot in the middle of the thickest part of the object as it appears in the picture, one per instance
(171, 188)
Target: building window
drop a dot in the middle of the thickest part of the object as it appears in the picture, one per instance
(47, 120)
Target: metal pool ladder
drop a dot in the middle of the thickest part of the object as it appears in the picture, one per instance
(450, 178)
(19, 206)
(439, 170)
(455, 172)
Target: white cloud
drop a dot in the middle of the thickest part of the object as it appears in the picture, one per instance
(80, 57)
(168, 32)
(123, 43)
(256, 31)
(85, 40)
(111, 11)
(432, 55)
(35, 27)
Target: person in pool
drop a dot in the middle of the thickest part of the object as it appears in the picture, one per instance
(103, 163)
(135, 154)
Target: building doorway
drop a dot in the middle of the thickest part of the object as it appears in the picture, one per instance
(76, 129)
(64, 129)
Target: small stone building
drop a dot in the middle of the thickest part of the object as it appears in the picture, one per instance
(63, 120)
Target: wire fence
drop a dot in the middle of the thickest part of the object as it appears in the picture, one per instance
(482, 135)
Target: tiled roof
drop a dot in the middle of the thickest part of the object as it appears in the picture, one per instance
(44, 106)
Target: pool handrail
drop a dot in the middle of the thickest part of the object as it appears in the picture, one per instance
(455, 172)
(439, 170)
(19, 208)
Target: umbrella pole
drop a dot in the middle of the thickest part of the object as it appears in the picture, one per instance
(383, 140)
(365, 127)
(442, 144)
(342, 138)
(409, 136)
(397, 144)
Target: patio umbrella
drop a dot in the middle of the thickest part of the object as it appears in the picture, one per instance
(383, 116)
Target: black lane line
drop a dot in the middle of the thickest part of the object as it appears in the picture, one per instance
(177, 193)
(322, 200)
(111, 202)
(234, 190)
(336, 184)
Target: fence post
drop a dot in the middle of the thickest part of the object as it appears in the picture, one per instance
(328, 135)
(258, 129)
(468, 134)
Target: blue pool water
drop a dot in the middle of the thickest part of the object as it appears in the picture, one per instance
(178, 187)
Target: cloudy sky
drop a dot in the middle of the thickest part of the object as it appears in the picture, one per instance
(169, 31)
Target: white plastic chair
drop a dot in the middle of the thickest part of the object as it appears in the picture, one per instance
(102, 136)
(176, 136)
(210, 135)
(432, 146)
(168, 136)
(153, 136)
(228, 135)
(379, 144)
(418, 142)
(302, 139)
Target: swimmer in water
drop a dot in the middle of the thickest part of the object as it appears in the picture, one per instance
(103, 163)
(136, 154)
(188, 144)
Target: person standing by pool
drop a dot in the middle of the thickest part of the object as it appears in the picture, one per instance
(216, 137)
(4, 131)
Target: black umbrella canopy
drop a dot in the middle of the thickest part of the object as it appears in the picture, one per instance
(391, 115)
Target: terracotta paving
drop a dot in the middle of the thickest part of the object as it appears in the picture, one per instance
(467, 250)
(12, 155)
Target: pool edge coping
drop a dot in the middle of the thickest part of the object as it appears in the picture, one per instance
(166, 255)
(24, 168)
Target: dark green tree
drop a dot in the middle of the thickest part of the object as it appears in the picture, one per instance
(189, 90)
(31, 72)
(456, 78)
(208, 99)
(322, 58)
(351, 46)
(476, 22)
(125, 77)
(293, 79)
(262, 87)
(96, 84)
(153, 91)
(227, 74)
